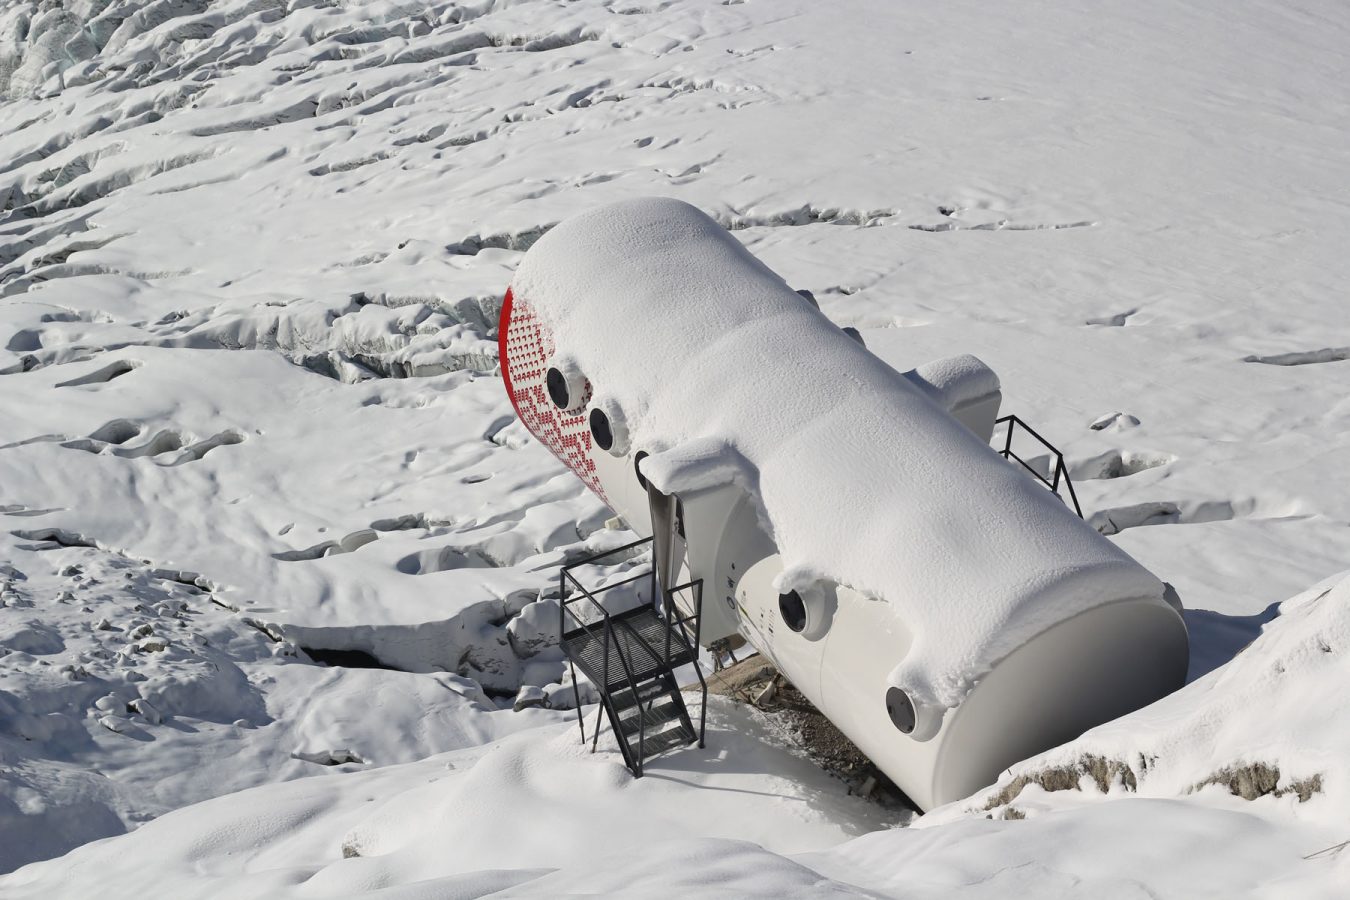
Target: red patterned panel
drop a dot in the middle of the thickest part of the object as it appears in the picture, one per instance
(524, 347)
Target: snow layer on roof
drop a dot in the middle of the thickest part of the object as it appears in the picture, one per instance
(954, 380)
(863, 480)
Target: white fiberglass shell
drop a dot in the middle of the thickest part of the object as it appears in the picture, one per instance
(1090, 668)
(860, 479)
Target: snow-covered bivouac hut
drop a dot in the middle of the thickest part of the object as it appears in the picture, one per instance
(848, 520)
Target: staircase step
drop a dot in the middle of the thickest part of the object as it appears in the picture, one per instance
(647, 691)
(630, 657)
(669, 739)
(671, 710)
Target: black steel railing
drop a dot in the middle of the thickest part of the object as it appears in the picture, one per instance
(1059, 472)
(565, 575)
(680, 642)
(696, 587)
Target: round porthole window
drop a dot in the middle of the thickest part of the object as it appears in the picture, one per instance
(609, 427)
(793, 610)
(557, 389)
(901, 710)
(567, 387)
(600, 429)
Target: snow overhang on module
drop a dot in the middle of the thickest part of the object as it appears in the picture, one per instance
(851, 521)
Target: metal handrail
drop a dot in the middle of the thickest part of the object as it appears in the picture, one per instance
(627, 670)
(696, 616)
(697, 587)
(566, 573)
(562, 628)
(1060, 469)
(606, 698)
(671, 621)
(571, 666)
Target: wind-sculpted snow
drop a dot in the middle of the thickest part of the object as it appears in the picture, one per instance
(251, 256)
(536, 813)
(123, 681)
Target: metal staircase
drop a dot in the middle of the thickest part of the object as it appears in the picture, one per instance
(631, 653)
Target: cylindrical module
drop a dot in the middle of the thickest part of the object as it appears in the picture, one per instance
(948, 614)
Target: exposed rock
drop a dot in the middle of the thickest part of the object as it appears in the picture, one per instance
(1261, 780)
(146, 710)
(786, 709)
(329, 757)
(530, 696)
(1103, 772)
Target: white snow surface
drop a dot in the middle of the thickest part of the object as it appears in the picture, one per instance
(536, 815)
(251, 256)
(697, 344)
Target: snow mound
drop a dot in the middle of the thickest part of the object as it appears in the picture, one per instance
(1274, 722)
(536, 815)
(470, 822)
(121, 683)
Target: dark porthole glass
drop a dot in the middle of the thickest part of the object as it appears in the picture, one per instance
(557, 389)
(793, 610)
(600, 430)
(901, 710)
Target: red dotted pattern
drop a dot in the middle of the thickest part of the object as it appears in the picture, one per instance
(524, 347)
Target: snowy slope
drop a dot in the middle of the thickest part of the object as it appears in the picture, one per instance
(535, 815)
(250, 259)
